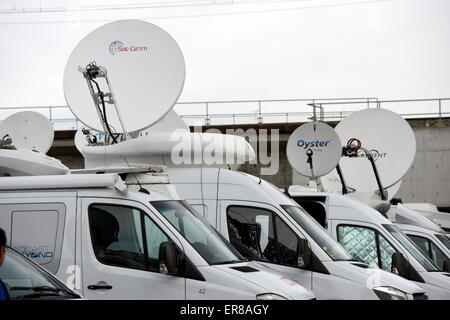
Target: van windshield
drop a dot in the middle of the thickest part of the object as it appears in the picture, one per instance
(411, 247)
(444, 240)
(23, 279)
(318, 233)
(209, 243)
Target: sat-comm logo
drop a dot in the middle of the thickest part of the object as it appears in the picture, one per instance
(118, 46)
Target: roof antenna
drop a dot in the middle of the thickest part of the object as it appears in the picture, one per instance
(143, 190)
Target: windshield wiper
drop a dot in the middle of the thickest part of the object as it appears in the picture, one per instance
(43, 291)
(37, 289)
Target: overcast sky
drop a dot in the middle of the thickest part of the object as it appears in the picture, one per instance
(391, 49)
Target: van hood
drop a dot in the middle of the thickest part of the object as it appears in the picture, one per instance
(267, 279)
(438, 279)
(371, 277)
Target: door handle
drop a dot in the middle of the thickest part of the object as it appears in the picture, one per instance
(100, 286)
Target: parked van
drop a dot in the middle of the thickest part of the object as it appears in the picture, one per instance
(372, 238)
(431, 212)
(428, 236)
(434, 244)
(259, 221)
(111, 243)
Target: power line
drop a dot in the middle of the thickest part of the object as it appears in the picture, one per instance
(147, 5)
(345, 4)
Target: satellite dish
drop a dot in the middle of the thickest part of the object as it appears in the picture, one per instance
(140, 70)
(169, 123)
(332, 183)
(28, 130)
(321, 142)
(391, 142)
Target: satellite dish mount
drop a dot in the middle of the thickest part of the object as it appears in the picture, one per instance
(93, 73)
(351, 150)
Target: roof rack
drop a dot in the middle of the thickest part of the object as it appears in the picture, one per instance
(65, 181)
(133, 174)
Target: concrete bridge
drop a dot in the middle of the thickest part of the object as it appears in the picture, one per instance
(428, 180)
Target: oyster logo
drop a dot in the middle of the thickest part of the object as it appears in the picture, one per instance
(118, 46)
(114, 46)
(311, 144)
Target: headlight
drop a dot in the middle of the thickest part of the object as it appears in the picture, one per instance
(270, 296)
(389, 293)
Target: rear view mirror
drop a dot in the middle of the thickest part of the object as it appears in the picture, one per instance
(447, 266)
(168, 258)
(304, 254)
(402, 267)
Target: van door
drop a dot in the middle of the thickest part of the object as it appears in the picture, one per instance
(42, 228)
(120, 249)
(258, 232)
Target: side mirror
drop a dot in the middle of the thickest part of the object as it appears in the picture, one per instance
(304, 254)
(168, 258)
(399, 264)
(447, 266)
(402, 267)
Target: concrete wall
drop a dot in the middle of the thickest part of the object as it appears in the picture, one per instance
(428, 180)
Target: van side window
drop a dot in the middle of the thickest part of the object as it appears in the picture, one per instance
(422, 243)
(386, 252)
(366, 245)
(258, 234)
(125, 237)
(315, 207)
(154, 239)
(438, 256)
(430, 249)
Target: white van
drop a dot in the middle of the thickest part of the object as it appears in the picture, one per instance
(372, 238)
(110, 243)
(257, 219)
(435, 244)
(428, 236)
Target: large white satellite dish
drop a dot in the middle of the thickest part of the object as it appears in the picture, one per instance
(144, 70)
(314, 142)
(28, 130)
(390, 140)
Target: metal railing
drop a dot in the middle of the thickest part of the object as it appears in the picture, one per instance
(267, 111)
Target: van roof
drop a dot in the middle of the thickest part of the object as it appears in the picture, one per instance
(101, 185)
(253, 188)
(361, 211)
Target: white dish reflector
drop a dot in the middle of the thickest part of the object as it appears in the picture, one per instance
(391, 141)
(28, 130)
(318, 138)
(146, 73)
